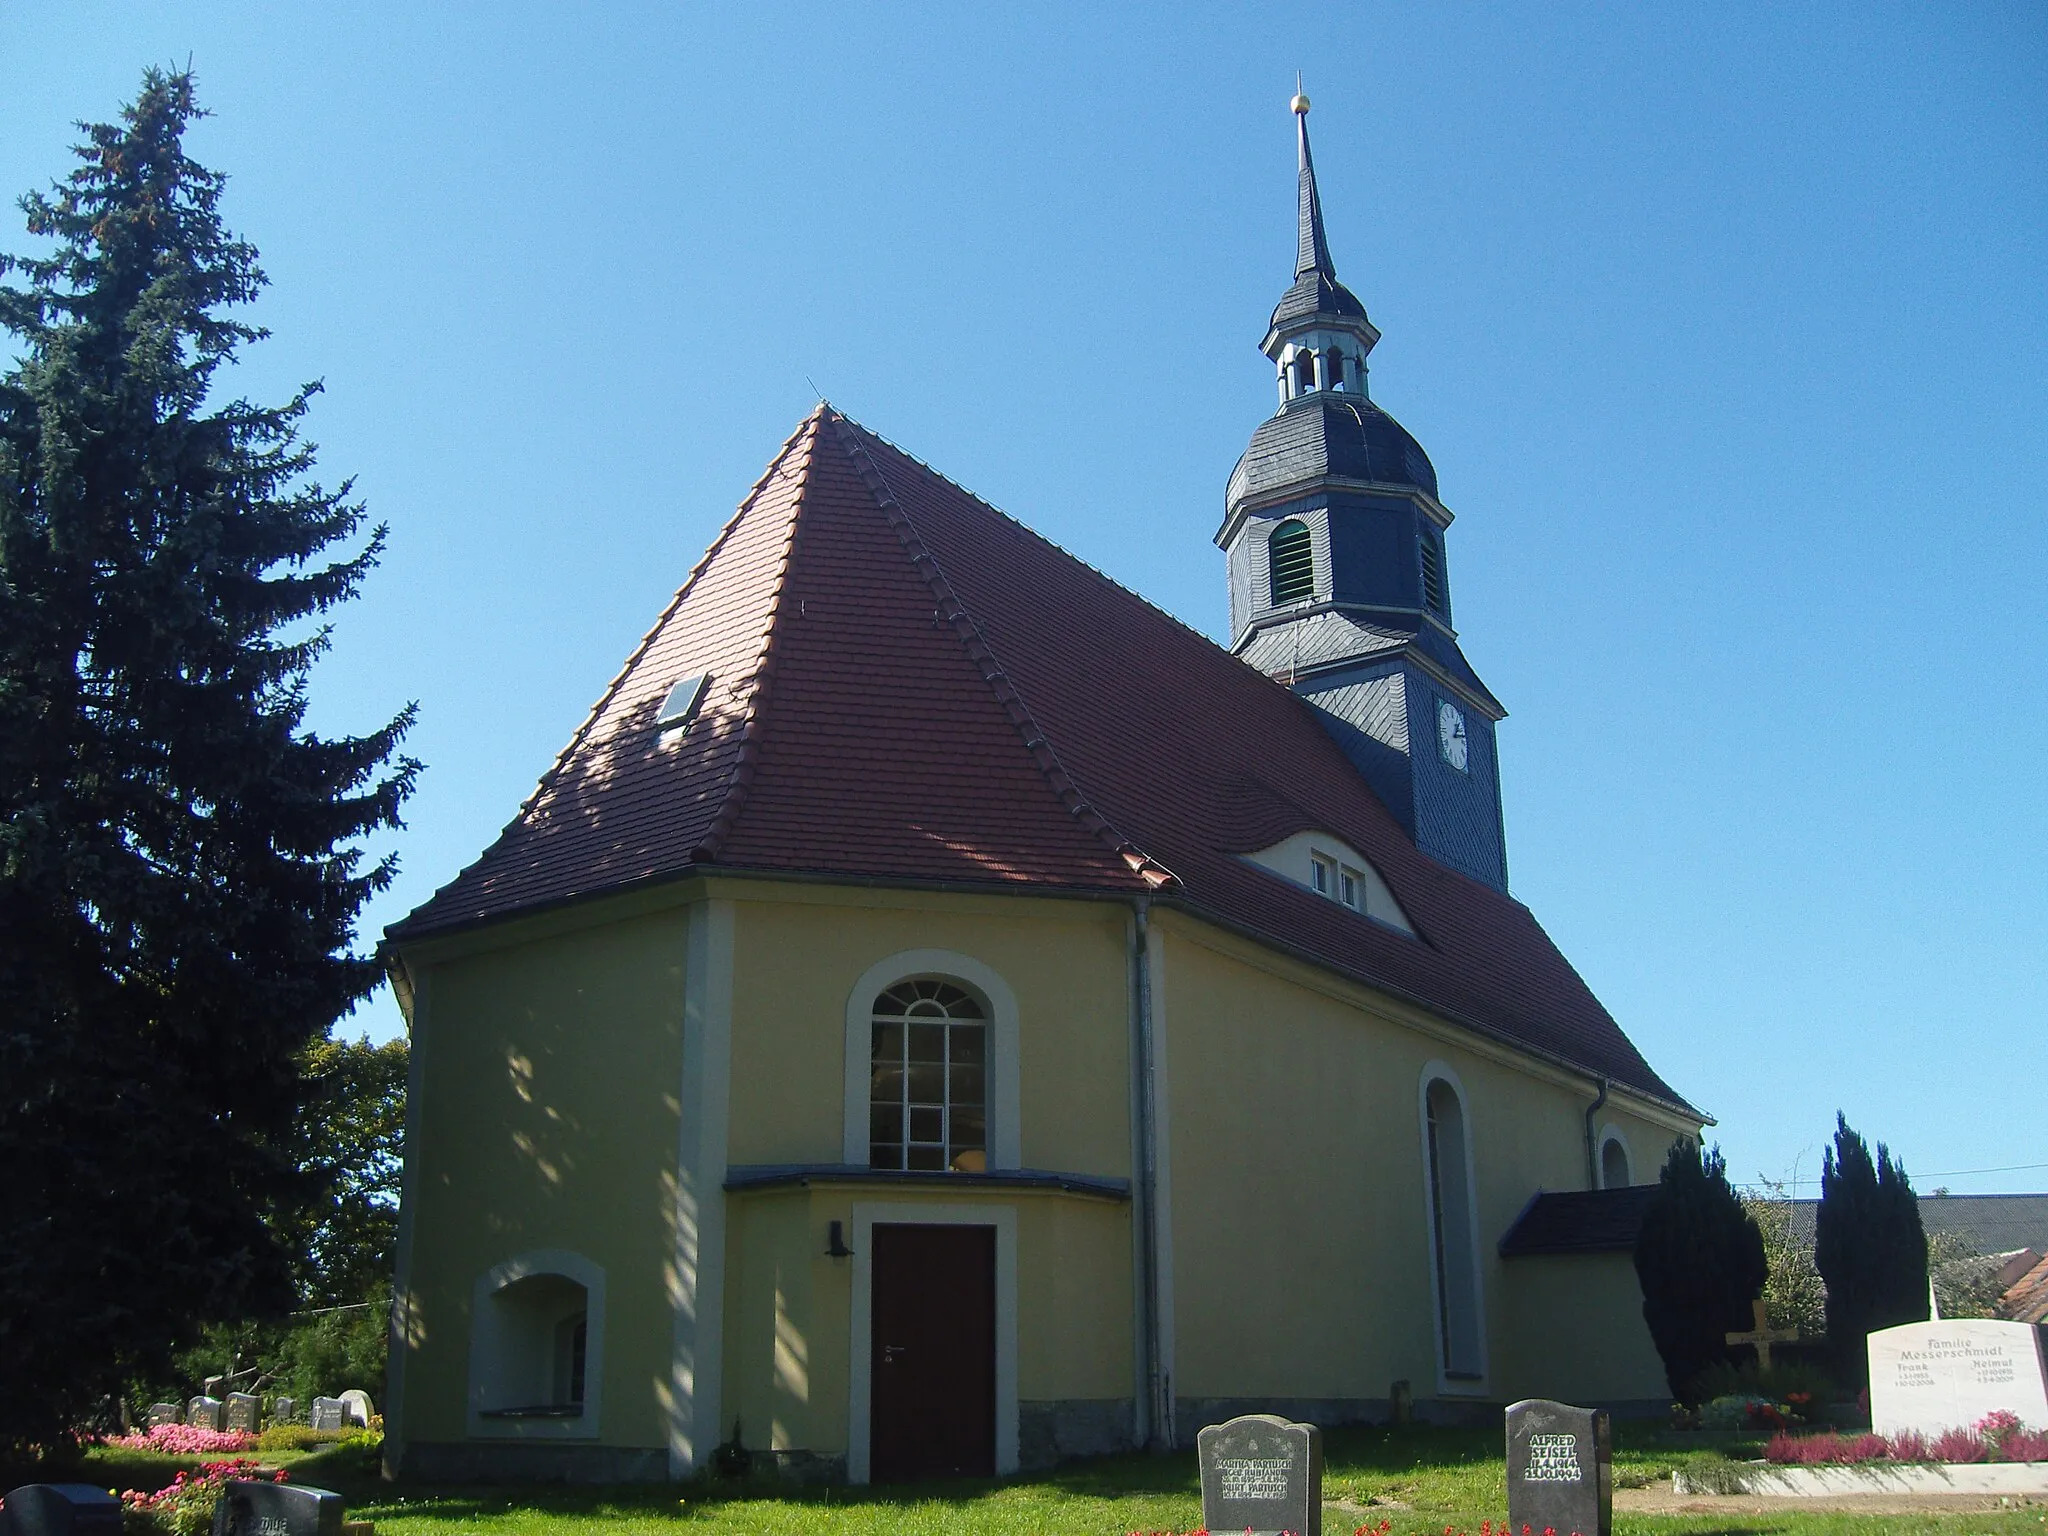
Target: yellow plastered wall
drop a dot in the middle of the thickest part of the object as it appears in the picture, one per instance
(789, 1305)
(547, 1118)
(797, 956)
(1301, 1236)
(1575, 1323)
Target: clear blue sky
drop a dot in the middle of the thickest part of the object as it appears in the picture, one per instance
(1723, 324)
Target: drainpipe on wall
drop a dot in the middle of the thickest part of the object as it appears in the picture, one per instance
(1593, 1152)
(1154, 1412)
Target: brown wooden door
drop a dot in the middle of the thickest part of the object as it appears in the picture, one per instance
(932, 1408)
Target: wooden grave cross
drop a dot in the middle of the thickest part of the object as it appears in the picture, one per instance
(1763, 1335)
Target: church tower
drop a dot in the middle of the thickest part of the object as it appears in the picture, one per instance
(1339, 585)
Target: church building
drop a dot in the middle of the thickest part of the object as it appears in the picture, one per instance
(939, 1014)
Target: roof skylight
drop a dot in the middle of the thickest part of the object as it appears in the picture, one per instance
(680, 707)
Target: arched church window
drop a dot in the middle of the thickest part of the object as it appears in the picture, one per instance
(1304, 372)
(1614, 1169)
(1333, 369)
(1450, 1219)
(928, 1094)
(1292, 562)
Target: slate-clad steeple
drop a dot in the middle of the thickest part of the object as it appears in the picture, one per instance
(1338, 580)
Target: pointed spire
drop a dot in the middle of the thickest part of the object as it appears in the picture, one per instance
(1314, 252)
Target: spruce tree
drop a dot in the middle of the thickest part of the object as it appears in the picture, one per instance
(1700, 1262)
(180, 858)
(1869, 1247)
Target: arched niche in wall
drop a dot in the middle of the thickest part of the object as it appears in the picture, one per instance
(536, 1347)
(1450, 1193)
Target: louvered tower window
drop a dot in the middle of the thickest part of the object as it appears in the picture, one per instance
(1292, 562)
(927, 1100)
(1432, 574)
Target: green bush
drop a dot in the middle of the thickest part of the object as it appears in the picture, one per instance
(1800, 1385)
(297, 1437)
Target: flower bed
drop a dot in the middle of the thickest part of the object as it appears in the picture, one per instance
(184, 1440)
(186, 1506)
(1998, 1437)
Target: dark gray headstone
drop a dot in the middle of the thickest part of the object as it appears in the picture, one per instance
(282, 1409)
(61, 1509)
(329, 1413)
(1262, 1474)
(1560, 1469)
(212, 1385)
(276, 1509)
(165, 1413)
(206, 1413)
(245, 1412)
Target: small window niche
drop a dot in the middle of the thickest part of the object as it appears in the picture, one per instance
(537, 1326)
(1615, 1172)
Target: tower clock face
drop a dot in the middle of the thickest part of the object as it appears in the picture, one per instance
(1450, 734)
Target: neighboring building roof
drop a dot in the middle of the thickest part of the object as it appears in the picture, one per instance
(908, 685)
(1579, 1221)
(1324, 434)
(2027, 1299)
(1988, 1223)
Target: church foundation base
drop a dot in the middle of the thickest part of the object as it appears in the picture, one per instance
(521, 1461)
(1065, 1428)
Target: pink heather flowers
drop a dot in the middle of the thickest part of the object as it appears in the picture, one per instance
(1995, 1437)
(185, 1440)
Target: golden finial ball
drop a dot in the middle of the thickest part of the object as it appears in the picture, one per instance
(1300, 103)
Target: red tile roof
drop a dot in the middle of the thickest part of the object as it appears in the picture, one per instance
(907, 684)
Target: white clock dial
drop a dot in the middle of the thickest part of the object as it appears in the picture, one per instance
(1450, 734)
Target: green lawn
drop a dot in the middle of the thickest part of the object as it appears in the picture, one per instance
(1422, 1480)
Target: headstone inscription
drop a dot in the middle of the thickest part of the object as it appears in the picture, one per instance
(1262, 1474)
(164, 1413)
(245, 1412)
(206, 1413)
(276, 1509)
(282, 1409)
(1560, 1469)
(1947, 1375)
(356, 1406)
(328, 1413)
(61, 1509)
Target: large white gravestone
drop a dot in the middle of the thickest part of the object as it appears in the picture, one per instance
(1947, 1375)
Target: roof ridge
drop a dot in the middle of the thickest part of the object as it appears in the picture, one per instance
(748, 752)
(1052, 544)
(639, 650)
(956, 613)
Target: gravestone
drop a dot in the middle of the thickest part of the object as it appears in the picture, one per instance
(164, 1413)
(356, 1406)
(206, 1413)
(245, 1412)
(1560, 1469)
(1947, 1375)
(60, 1509)
(329, 1413)
(276, 1509)
(1262, 1474)
(212, 1385)
(282, 1409)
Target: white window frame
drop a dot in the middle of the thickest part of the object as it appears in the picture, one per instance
(1003, 1092)
(1461, 1386)
(487, 1345)
(867, 1216)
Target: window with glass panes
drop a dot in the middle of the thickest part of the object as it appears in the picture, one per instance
(927, 1099)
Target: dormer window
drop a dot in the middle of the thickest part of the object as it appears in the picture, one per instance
(1291, 562)
(1337, 872)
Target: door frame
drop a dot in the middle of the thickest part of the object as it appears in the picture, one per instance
(867, 1215)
